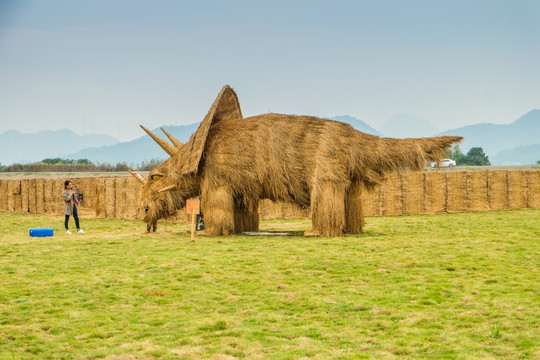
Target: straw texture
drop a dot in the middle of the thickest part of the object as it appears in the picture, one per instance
(120, 198)
(24, 195)
(517, 189)
(3, 195)
(533, 189)
(32, 199)
(48, 196)
(100, 199)
(132, 191)
(457, 191)
(354, 212)
(413, 188)
(110, 198)
(436, 191)
(14, 195)
(225, 107)
(314, 163)
(498, 190)
(371, 201)
(392, 195)
(40, 198)
(478, 190)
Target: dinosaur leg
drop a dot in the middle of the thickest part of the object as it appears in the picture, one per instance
(328, 209)
(246, 216)
(218, 206)
(354, 214)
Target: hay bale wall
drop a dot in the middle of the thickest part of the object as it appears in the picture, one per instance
(391, 195)
(14, 195)
(517, 189)
(457, 196)
(477, 188)
(414, 192)
(132, 198)
(497, 190)
(371, 202)
(413, 187)
(24, 195)
(435, 192)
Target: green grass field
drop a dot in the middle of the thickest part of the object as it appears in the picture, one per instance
(451, 286)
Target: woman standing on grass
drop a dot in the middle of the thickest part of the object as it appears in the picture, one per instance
(70, 206)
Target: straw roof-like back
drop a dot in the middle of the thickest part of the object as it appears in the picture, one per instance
(226, 106)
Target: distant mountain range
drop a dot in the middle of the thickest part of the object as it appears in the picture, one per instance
(507, 139)
(25, 148)
(136, 151)
(517, 143)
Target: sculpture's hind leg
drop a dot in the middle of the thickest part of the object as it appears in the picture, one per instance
(218, 206)
(246, 216)
(328, 209)
(354, 214)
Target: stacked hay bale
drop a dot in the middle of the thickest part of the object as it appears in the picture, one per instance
(32, 200)
(498, 190)
(100, 201)
(120, 198)
(14, 195)
(25, 206)
(132, 187)
(533, 189)
(517, 189)
(58, 202)
(109, 198)
(457, 191)
(3, 195)
(40, 204)
(392, 195)
(413, 187)
(293, 211)
(371, 202)
(406, 193)
(436, 190)
(48, 196)
(477, 188)
(270, 210)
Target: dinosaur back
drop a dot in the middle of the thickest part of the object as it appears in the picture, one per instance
(225, 107)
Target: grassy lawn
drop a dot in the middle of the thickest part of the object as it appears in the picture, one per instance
(452, 286)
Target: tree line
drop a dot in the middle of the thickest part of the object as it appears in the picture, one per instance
(475, 156)
(80, 165)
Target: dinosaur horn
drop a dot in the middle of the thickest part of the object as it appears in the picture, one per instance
(171, 150)
(168, 188)
(137, 176)
(177, 144)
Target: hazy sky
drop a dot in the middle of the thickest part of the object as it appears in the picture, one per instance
(107, 66)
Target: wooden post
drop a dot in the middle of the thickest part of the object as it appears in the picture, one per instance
(193, 207)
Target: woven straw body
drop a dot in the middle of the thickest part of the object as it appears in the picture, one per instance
(315, 163)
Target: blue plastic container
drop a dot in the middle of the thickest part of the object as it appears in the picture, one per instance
(41, 232)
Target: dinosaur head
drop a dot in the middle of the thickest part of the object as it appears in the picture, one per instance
(178, 178)
(165, 190)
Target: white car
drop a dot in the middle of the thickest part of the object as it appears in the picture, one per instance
(445, 163)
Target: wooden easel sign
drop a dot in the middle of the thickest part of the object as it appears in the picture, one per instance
(193, 207)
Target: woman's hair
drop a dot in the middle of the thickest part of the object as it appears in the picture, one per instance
(66, 183)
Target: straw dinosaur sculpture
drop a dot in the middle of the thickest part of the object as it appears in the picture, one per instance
(232, 162)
